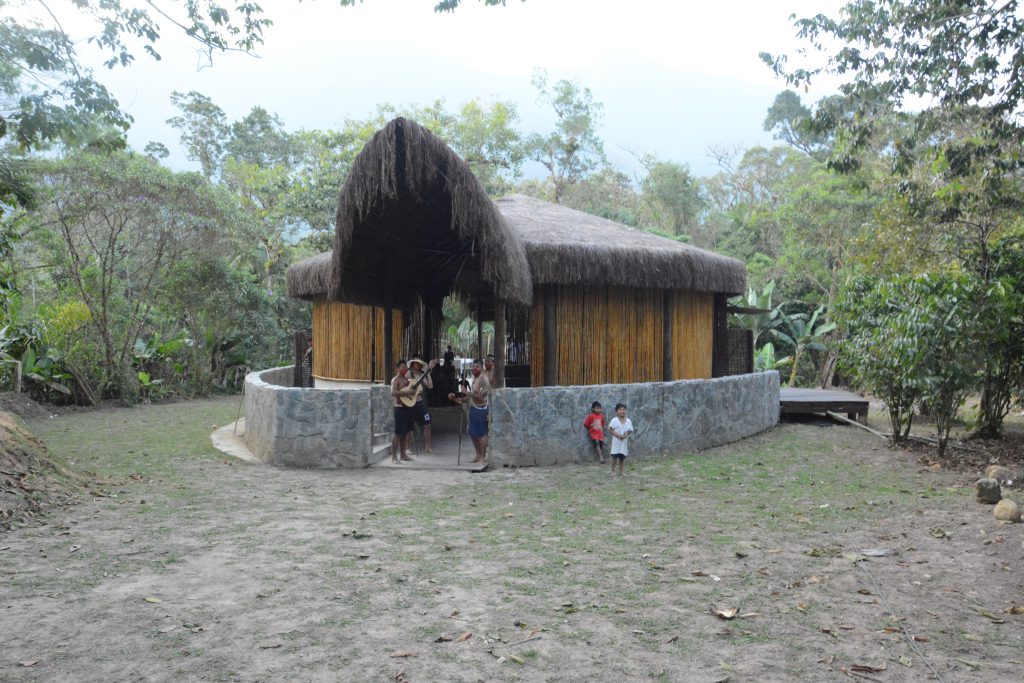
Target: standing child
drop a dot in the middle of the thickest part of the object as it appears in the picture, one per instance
(621, 427)
(594, 424)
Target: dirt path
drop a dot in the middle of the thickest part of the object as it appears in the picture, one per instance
(205, 568)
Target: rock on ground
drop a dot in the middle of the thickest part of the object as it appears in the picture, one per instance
(1006, 510)
(988, 491)
(1001, 474)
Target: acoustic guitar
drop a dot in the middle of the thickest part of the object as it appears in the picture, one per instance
(409, 401)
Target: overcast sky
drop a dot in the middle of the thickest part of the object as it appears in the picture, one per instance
(675, 77)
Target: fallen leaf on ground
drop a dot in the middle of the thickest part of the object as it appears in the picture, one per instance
(443, 639)
(270, 646)
(867, 668)
(168, 629)
(516, 659)
(973, 665)
(985, 613)
(155, 601)
(1016, 609)
(672, 639)
(725, 613)
(464, 637)
(906, 661)
(404, 653)
(29, 662)
(865, 591)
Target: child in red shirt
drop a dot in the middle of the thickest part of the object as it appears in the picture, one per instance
(595, 426)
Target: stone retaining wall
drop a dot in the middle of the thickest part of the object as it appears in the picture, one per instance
(300, 427)
(544, 425)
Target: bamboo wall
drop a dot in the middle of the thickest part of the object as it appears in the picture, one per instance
(693, 334)
(615, 335)
(346, 336)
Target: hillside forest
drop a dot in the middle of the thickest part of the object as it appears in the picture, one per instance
(883, 241)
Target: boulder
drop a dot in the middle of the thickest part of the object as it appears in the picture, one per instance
(1006, 510)
(988, 491)
(1000, 474)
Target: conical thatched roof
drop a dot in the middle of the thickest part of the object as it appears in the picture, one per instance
(566, 246)
(414, 222)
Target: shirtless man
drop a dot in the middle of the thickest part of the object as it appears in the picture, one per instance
(420, 414)
(403, 415)
(478, 411)
(489, 368)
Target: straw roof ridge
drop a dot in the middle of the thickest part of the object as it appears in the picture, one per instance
(406, 162)
(310, 278)
(566, 246)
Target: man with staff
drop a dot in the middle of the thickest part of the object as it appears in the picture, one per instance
(479, 390)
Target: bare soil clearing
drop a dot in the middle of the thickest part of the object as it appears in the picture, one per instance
(197, 566)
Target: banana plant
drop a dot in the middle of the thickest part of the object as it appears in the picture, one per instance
(803, 333)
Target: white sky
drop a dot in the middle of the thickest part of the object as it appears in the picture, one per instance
(675, 76)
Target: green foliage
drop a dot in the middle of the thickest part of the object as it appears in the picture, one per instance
(572, 150)
(671, 196)
(882, 349)
(803, 332)
(915, 340)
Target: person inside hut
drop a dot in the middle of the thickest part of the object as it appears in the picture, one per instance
(449, 369)
(307, 362)
(489, 367)
(479, 390)
(403, 414)
(419, 377)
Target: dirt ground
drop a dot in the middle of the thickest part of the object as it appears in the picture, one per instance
(199, 567)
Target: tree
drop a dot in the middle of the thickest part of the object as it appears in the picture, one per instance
(573, 149)
(48, 94)
(670, 195)
(204, 129)
(122, 221)
(953, 55)
(804, 333)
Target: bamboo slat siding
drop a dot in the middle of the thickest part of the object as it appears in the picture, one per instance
(344, 338)
(693, 315)
(614, 335)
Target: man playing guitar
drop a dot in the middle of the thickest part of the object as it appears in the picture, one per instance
(419, 377)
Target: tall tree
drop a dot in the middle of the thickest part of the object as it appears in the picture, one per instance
(671, 196)
(573, 149)
(122, 220)
(204, 129)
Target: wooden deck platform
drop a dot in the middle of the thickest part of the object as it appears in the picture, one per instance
(806, 401)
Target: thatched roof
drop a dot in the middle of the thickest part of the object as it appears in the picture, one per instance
(566, 246)
(413, 221)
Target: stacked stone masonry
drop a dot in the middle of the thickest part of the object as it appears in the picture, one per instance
(325, 428)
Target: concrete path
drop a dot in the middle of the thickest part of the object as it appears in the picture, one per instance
(226, 440)
(231, 441)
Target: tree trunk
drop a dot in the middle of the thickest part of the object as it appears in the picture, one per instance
(828, 369)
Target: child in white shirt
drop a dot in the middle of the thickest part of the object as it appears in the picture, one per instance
(621, 428)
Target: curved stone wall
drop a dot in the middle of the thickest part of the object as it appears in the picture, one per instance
(544, 425)
(302, 427)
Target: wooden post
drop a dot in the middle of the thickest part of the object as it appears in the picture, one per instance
(300, 351)
(427, 346)
(666, 327)
(499, 341)
(550, 336)
(479, 331)
(389, 359)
